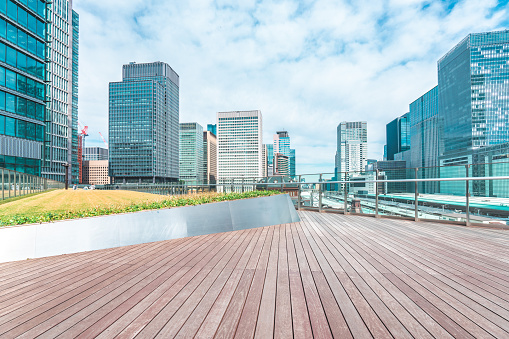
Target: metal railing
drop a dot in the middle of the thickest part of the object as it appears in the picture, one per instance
(15, 184)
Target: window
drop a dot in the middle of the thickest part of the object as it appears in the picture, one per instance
(31, 23)
(38, 109)
(22, 17)
(32, 4)
(39, 91)
(10, 79)
(12, 33)
(30, 131)
(3, 28)
(2, 52)
(21, 83)
(39, 133)
(12, 10)
(11, 56)
(10, 101)
(21, 108)
(2, 124)
(2, 100)
(2, 76)
(40, 70)
(40, 28)
(31, 66)
(22, 62)
(31, 112)
(10, 126)
(21, 129)
(32, 45)
(40, 49)
(3, 7)
(22, 39)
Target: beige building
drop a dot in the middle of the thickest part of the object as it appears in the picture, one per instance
(95, 172)
(209, 157)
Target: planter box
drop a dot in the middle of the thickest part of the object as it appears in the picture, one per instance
(79, 235)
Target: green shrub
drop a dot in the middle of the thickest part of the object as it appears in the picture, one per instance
(96, 211)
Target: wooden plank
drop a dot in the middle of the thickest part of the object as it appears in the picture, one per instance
(283, 318)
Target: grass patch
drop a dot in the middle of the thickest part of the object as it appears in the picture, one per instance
(62, 204)
(19, 197)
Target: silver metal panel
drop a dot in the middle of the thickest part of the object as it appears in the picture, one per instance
(71, 236)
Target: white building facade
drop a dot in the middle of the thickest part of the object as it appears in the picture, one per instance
(352, 147)
(239, 141)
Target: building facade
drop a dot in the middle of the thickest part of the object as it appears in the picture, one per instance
(239, 141)
(270, 159)
(397, 136)
(425, 131)
(209, 157)
(293, 168)
(144, 124)
(95, 172)
(24, 65)
(191, 153)
(61, 137)
(352, 147)
(281, 164)
(95, 153)
(473, 83)
(212, 128)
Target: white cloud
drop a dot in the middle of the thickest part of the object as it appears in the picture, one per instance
(307, 65)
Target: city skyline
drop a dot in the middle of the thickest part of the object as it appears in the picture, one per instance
(319, 75)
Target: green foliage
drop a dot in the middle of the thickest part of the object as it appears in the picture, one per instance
(96, 211)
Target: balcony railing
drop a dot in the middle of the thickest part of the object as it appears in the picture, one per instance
(15, 184)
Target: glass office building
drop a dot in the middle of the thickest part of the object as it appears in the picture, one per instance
(144, 124)
(425, 138)
(473, 82)
(352, 147)
(293, 169)
(23, 76)
(270, 159)
(397, 136)
(191, 153)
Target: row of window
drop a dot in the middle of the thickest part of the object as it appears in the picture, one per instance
(12, 10)
(21, 39)
(21, 83)
(18, 105)
(21, 129)
(22, 61)
(23, 165)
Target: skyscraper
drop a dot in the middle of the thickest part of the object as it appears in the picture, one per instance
(61, 142)
(209, 157)
(212, 128)
(144, 124)
(270, 159)
(473, 87)
(352, 147)
(23, 46)
(191, 152)
(398, 135)
(293, 168)
(282, 143)
(239, 141)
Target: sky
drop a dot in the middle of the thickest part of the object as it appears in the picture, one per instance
(306, 65)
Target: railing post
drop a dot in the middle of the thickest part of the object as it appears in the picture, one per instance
(14, 187)
(467, 196)
(242, 185)
(345, 202)
(416, 199)
(299, 199)
(3, 184)
(320, 194)
(376, 195)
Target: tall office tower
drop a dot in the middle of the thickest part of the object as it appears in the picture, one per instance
(352, 147)
(23, 45)
(239, 141)
(425, 138)
(282, 143)
(398, 136)
(281, 164)
(191, 152)
(61, 141)
(270, 159)
(264, 159)
(473, 87)
(209, 157)
(292, 165)
(212, 128)
(95, 153)
(144, 124)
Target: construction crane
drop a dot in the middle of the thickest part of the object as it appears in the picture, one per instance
(81, 147)
(104, 140)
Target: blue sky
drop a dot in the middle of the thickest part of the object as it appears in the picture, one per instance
(307, 65)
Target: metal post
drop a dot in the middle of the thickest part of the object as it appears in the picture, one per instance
(14, 186)
(299, 199)
(3, 185)
(320, 194)
(242, 184)
(376, 195)
(467, 196)
(345, 202)
(416, 199)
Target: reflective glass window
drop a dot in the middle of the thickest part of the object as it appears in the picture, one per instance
(10, 79)
(31, 65)
(2, 124)
(12, 10)
(31, 87)
(2, 76)
(10, 126)
(40, 70)
(39, 91)
(31, 23)
(22, 39)
(12, 33)
(3, 6)
(39, 133)
(30, 131)
(2, 100)
(3, 28)
(21, 108)
(10, 105)
(41, 9)
(2, 52)
(22, 83)
(22, 17)
(32, 4)
(31, 113)
(41, 27)
(11, 56)
(22, 62)
(40, 49)
(32, 45)
(38, 109)
(21, 129)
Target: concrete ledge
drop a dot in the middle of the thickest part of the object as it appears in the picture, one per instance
(80, 235)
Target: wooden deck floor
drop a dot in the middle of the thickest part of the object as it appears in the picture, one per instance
(327, 276)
